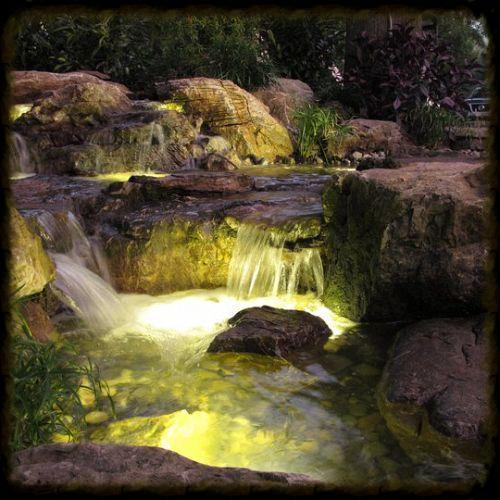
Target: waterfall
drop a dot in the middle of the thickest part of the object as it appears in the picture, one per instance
(68, 237)
(82, 277)
(22, 162)
(262, 266)
(87, 294)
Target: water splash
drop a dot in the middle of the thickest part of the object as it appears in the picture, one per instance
(87, 294)
(262, 266)
(83, 280)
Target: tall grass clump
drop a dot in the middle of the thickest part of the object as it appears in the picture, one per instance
(48, 380)
(429, 124)
(319, 130)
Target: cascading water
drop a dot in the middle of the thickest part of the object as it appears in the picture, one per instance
(82, 275)
(262, 266)
(87, 294)
(68, 237)
(22, 162)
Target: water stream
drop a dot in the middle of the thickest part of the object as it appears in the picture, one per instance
(22, 162)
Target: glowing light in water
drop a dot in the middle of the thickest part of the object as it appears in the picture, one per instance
(262, 266)
(123, 176)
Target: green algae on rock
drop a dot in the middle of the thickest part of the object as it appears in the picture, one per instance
(30, 267)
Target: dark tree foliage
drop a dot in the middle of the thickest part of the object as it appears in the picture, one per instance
(405, 69)
(139, 50)
(305, 47)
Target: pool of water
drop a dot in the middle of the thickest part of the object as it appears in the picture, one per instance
(315, 413)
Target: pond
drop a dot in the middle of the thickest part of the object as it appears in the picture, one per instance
(315, 413)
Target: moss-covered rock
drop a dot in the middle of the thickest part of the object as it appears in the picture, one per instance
(171, 255)
(406, 243)
(30, 267)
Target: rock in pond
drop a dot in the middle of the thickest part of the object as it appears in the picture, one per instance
(434, 391)
(409, 243)
(114, 469)
(30, 267)
(271, 331)
(233, 113)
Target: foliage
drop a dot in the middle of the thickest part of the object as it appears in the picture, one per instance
(46, 390)
(305, 47)
(138, 50)
(317, 128)
(406, 69)
(465, 35)
(428, 125)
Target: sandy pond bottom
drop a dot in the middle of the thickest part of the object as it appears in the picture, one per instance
(315, 414)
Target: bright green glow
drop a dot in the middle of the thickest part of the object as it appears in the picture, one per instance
(18, 110)
(123, 176)
(170, 105)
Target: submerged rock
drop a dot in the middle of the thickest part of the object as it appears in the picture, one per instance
(407, 243)
(233, 113)
(95, 468)
(30, 267)
(271, 331)
(434, 390)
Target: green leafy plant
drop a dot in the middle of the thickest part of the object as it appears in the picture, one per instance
(429, 125)
(319, 129)
(47, 384)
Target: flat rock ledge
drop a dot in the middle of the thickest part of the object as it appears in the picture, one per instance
(271, 331)
(434, 389)
(114, 469)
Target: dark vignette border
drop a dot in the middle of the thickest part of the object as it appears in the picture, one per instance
(490, 9)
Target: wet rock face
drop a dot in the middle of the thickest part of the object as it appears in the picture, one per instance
(434, 389)
(233, 113)
(30, 267)
(81, 124)
(271, 331)
(407, 243)
(115, 469)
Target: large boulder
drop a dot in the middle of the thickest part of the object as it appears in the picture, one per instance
(26, 87)
(232, 112)
(115, 469)
(283, 96)
(434, 389)
(379, 135)
(271, 331)
(30, 267)
(407, 243)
